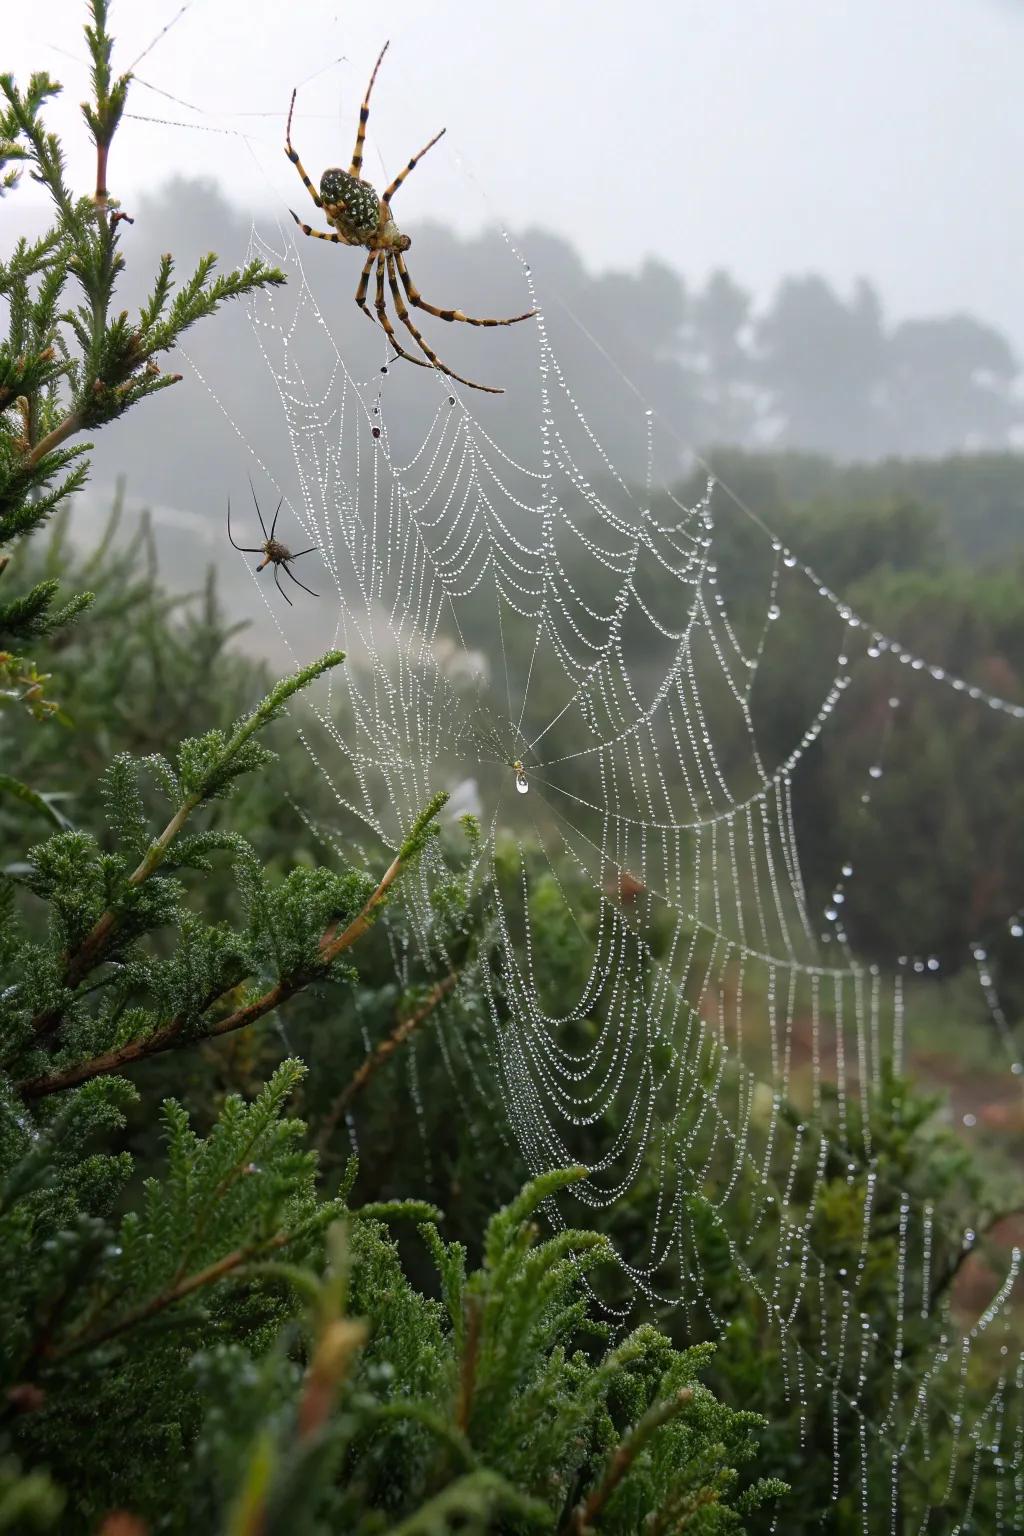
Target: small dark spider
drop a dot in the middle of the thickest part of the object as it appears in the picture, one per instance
(273, 552)
(359, 217)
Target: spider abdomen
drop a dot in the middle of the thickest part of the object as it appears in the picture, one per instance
(357, 205)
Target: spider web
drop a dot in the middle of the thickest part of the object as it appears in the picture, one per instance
(723, 1038)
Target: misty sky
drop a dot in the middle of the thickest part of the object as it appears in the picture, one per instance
(882, 138)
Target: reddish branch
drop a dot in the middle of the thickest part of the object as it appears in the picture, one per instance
(470, 1356)
(177, 1292)
(93, 946)
(332, 944)
(381, 1052)
(587, 1510)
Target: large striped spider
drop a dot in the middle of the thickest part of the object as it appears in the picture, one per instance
(357, 216)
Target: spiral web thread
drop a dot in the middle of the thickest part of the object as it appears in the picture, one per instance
(496, 612)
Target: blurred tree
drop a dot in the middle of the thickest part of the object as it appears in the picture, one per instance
(720, 321)
(824, 364)
(949, 384)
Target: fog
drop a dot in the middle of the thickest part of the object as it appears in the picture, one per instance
(788, 224)
(767, 136)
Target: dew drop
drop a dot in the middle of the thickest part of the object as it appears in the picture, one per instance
(774, 611)
(875, 770)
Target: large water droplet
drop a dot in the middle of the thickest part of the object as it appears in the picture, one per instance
(774, 611)
(522, 783)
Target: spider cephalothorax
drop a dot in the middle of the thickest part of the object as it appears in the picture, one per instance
(357, 216)
(273, 551)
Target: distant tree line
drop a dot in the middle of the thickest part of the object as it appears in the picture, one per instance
(813, 371)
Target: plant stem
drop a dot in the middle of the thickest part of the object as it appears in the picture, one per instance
(586, 1511)
(177, 1292)
(91, 948)
(376, 1058)
(470, 1355)
(332, 944)
(64, 429)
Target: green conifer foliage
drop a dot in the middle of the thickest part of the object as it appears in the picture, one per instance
(220, 1346)
(71, 363)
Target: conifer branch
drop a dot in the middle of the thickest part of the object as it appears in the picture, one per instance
(587, 1510)
(380, 1053)
(212, 775)
(173, 1033)
(675, 1515)
(69, 369)
(177, 1292)
(468, 1363)
(333, 944)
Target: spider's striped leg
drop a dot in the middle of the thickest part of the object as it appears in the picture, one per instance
(389, 194)
(449, 314)
(284, 594)
(308, 551)
(382, 316)
(243, 549)
(403, 315)
(293, 157)
(298, 583)
(364, 113)
(274, 523)
(364, 283)
(318, 234)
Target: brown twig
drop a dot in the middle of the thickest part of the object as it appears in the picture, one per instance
(470, 1356)
(335, 1348)
(376, 1058)
(187, 1287)
(332, 944)
(72, 423)
(92, 946)
(675, 1515)
(583, 1516)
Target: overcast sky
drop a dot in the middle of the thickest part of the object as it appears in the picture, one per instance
(882, 137)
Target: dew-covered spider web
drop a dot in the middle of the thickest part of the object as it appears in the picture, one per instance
(579, 656)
